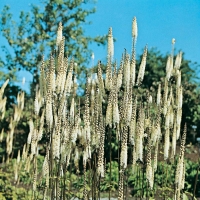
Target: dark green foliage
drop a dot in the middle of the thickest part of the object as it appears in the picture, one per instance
(191, 172)
(105, 184)
(22, 190)
(164, 186)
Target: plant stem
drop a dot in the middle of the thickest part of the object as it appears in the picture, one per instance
(126, 186)
(99, 188)
(64, 183)
(94, 177)
(110, 152)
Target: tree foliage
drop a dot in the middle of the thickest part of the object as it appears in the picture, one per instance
(33, 34)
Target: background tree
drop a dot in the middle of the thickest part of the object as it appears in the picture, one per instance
(34, 34)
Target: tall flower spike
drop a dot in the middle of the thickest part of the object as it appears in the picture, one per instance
(3, 88)
(129, 105)
(109, 112)
(134, 29)
(1, 135)
(178, 61)
(121, 184)
(72, 114)
(169, 67)
(165, 97)
(183, 177)
(174, 139)
(156, 133)
(87, 118)
(52, 73)
(140, 134)
(178, 82)
(132, 132)
(40, 133)
(68, 82)
(133, 59)
(59, 34)
(108, 79)
(155, 162)
(180, 172)
(42, 78)
(182, 147)
(115, 109)
(159, 95)
(133, 67)
(100, 163)
(124, 153)
(170, 61)
(120, 75)
(180, 98)
(100, 79)
(110, 44)
(31, 128)
(149, 171)
(60, 78)
(166, 144)
(49, 110)
(142, 67)
(127, 70)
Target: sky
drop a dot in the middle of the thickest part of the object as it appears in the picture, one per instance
(158, 22)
